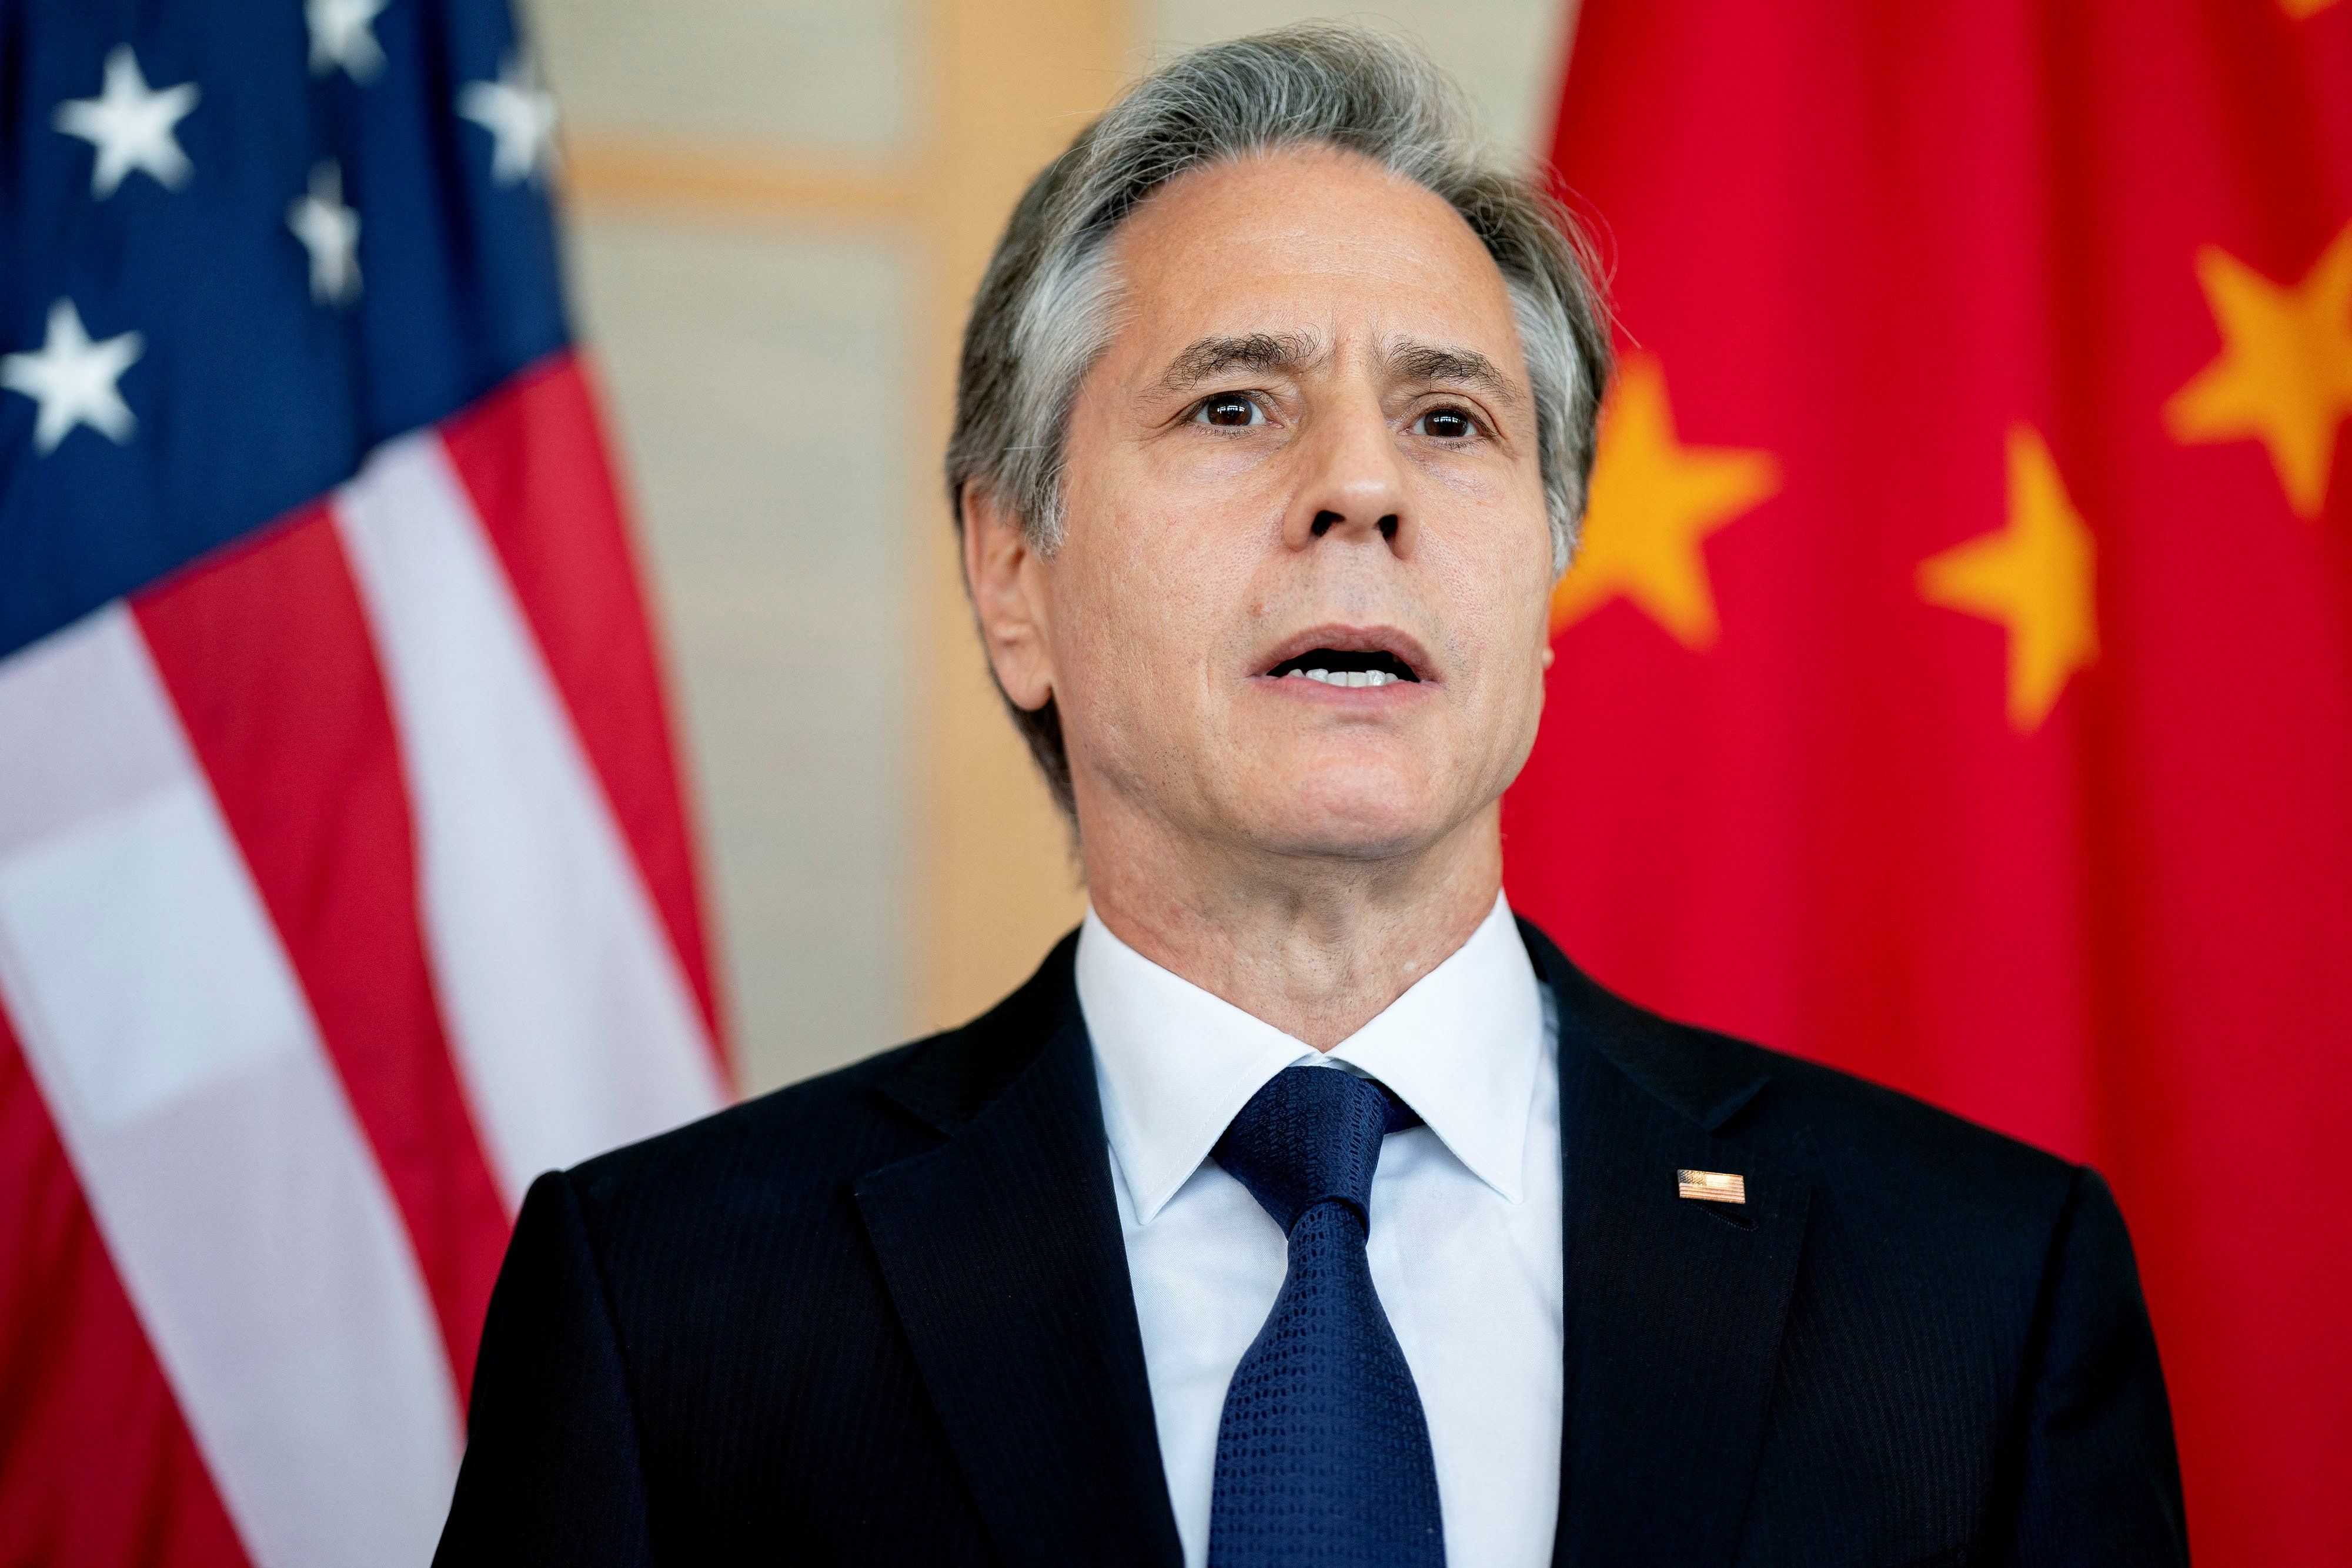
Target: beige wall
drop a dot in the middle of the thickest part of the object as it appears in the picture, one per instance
(778, 211)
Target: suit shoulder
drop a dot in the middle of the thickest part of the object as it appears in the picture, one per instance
(804, 1137)
(1870, 1128)
(1857, 1135)
(812, 1140)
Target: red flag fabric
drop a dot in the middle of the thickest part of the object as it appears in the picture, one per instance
(346, 881)
(372, 888)
(1956, 685)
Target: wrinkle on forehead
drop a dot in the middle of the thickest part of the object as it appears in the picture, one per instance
(1309, 211)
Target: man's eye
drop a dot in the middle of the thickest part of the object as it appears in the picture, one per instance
(1232, 411)
(1446, 423)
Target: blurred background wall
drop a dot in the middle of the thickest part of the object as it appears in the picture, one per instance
(778, 210)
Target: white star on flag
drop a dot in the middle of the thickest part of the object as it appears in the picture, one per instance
(330, 231)
(519, 115)
(130, 126)
(72, 380)
(343, 32)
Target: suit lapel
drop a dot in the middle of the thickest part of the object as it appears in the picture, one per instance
(1673, 1308)
(1003, 1258)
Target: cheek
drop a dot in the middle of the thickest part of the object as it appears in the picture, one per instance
(1135, 615)
(1167, 581)
(1514, 691)
(1497, 583)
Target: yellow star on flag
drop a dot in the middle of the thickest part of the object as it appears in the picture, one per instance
(2035, 577)
(2284, 374)
(2299, 9)
(1654, 500)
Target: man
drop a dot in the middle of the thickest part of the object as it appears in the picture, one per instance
(1304, 1207)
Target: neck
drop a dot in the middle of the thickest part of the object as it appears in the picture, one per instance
(1316, 946)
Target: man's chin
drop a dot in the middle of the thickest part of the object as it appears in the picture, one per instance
(1349, 825)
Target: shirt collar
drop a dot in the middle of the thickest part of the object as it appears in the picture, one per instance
(1462, 1047)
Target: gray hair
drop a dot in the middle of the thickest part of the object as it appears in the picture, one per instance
(1045, 310)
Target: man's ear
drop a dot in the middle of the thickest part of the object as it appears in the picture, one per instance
(1006, 580)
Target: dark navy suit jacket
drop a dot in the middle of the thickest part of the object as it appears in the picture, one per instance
(884, 1317)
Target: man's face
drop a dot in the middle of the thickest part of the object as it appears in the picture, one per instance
(1309, 446)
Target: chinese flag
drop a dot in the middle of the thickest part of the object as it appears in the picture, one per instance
(1955, 683)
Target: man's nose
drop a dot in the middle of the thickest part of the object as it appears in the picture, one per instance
(1354, 483)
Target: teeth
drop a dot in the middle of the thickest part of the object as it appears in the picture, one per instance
(1351, 678)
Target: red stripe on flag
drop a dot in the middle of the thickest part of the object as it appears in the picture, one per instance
(268, 657)
(97, 1465)
(534, 465)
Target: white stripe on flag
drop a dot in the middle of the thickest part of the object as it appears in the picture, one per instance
(239, 1199)
(567, 1007)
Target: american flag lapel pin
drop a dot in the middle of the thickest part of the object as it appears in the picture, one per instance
(1711, 1187)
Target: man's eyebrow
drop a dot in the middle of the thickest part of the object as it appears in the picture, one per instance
(1416, 362)
(1208, 357)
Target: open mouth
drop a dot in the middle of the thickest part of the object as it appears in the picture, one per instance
(1344, 667)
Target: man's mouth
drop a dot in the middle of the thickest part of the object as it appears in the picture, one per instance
(1344, 667)
(1353, 658)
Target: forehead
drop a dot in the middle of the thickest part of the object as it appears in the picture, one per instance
(1310, 240)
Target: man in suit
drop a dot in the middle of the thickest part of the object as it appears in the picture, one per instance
(1304, 1206)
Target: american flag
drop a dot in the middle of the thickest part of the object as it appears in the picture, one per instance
(344, 877)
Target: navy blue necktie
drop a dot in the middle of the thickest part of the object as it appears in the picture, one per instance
(1323, 1451)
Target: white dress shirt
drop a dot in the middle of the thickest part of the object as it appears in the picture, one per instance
(1466, 1217)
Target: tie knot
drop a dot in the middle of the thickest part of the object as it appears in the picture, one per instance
(1311, 1134)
